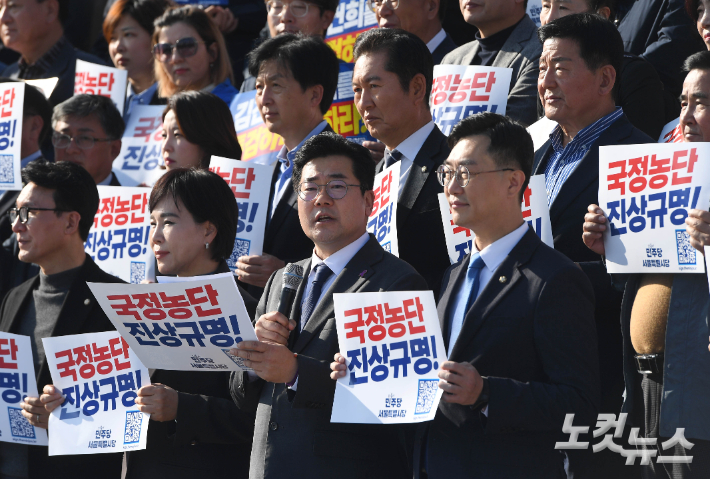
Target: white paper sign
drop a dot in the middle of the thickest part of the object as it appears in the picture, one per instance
(251, 185)
(460, 91)
(145, 121)
(118, 240)
(183, 326)
(140, 161)
(535, 212)
(98, 375)
(646, 192)
(533, 10)
(45, 85)
(393, 348)
(383, 219)
(94, 79)
(540, 131)
(12, 97)
(671, 133)
(17, 381)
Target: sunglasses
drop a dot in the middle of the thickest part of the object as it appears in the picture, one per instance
(185, 47)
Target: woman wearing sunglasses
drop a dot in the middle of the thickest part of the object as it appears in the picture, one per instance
(196, 126)
(128, 28)
(195, 430)
(190, 54)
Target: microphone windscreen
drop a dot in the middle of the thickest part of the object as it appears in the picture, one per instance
(292, 276)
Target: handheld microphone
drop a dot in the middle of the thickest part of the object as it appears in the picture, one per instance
(292, 277)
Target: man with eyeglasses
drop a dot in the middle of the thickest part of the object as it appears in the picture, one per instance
(51, 221)
(88, 131)
(294, 16)
(420, 17)
(506, 38)
(34, 28)
(517, 320)
(290, 386)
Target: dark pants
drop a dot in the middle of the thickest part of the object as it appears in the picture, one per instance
(652, 388)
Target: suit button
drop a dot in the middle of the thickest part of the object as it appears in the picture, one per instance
(193, 443)
(273, 426)
(87, 302)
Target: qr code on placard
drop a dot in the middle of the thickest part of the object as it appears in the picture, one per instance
(19, 426)
(137, 272)
(686, 252)
(134, 420)
(7, 175)
(236, 360)
(387, 247)
(426, 395)
(241, 248)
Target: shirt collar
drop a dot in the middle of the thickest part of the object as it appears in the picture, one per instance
(411, 146)
(147, 93)
(436, 41)
(26, 160)
(285, 156)
(494, 254)
(340, 259)
(589, 132)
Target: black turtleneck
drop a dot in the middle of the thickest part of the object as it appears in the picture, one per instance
(490, 46)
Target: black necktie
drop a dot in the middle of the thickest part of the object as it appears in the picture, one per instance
(321, 273)
(392, 157)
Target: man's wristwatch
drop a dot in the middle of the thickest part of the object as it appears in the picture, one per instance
(482, 400)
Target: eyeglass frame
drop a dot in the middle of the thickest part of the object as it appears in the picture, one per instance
(456, 175)
(58, 134)
(308, 4)
(174, 49)
(298, 191)
(382, 2)
(17, 212)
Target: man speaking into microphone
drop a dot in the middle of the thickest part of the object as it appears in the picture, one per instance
(293, 435)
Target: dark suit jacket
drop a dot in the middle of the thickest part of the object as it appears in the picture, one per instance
(418, 214)
(444, 47)
(532, 334)
(114, 180)
(80, 314)
(63, 68)
(567, 216)
(293, 436)
(210, 435)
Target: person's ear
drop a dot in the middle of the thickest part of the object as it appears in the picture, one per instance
(417, 88)
(213, 52)
(326, 19)
(115, 149)
(369, 198)
(607, 79)
(315, 95)
(72, 222)
(210, 232)
(432, 9)
(604, 12)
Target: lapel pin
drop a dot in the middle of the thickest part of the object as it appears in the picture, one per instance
(502, 279)
(87, 302)
(363, 273)
(424, 168)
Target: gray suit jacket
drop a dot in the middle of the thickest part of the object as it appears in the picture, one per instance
(293, 435)
(521, 52)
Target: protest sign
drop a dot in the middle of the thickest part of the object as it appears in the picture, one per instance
(461, 91)
(393, 347)
(189, 325)
(118, 239)
(671, 133)
(94, 79)
(343, 116)
(383, 219)
(145, 121)
(352, 17)
(12, 97)
(140, 161)
(534, 9)
(98, 375)
(646, 192)
(535, 213)
(251, 185)
(540, 131)
(45, 85)
(17, 381)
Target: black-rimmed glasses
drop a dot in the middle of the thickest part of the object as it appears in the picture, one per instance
(24, 213)
(336, 189)
(444, 174)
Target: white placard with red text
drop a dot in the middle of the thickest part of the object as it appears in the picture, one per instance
(98, 375)
(140, 161)
(671, 133)
(118, 239)
(17, 381)
(383, 219)
(646, 192)
(186, 326)
(251, 185)
(393, 348)
(535, 212)
(460, 91)
(94, 79)
(145, 121)
(540, 131)
(12, 96)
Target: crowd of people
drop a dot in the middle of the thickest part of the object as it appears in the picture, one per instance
(533, 334)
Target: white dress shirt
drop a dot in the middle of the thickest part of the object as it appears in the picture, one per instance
(434, 43)
(410, 149)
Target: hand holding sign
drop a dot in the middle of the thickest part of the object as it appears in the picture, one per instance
(594, 228)
(274, 363)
